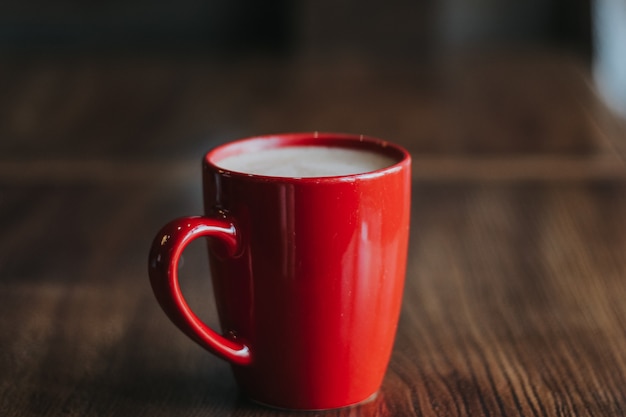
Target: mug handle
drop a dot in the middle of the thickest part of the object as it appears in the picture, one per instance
(167, 247)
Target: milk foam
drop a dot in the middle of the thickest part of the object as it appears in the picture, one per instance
(306, 161)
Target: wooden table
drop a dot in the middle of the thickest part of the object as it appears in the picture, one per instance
(516, 284)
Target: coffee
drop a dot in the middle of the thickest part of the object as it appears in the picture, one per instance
(306, 161)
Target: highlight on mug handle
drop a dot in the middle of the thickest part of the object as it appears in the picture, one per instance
(165, 253)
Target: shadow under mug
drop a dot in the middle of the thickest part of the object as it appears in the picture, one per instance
(308, 273)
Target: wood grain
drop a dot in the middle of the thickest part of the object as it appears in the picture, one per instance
(513, 303)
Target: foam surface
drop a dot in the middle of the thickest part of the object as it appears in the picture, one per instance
(307, 161)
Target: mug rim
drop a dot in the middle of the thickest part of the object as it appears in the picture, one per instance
(278, 140)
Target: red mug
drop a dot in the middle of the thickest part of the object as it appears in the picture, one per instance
(308, 273)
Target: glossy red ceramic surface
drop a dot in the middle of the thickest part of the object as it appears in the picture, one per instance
(307, 273)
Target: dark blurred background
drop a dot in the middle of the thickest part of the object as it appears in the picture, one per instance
(106, 78)
(403, 28)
